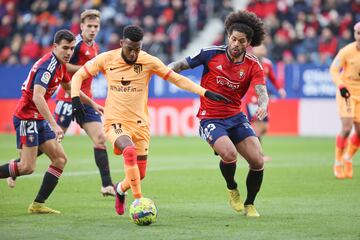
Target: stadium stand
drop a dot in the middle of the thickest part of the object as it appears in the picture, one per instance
(307, 31)
(26, 29)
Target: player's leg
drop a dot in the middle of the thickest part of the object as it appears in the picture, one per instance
(227, 151)
(11, 181)
(248, 145)
(142, 142)
(27, 140)
(214, 132)
(354, 142)
(25, 166)
(351, 149)
(346, 112)
(55, 152)
(250, 149)
(260, 128)
(119, 136)
(95, 131)
(132, 174)
(341, 144)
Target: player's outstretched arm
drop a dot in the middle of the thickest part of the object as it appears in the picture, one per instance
(335, 72)
(179, 66)
(263, 101)
(186, 84)
(84, 98)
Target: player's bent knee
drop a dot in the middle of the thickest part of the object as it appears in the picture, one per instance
(229, 156)
(61, 161)
(101, 141)
(26, 170)
(257, 163)
(130, 156)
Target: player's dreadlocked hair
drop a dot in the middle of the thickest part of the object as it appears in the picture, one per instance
(134, 33)
(248, 23)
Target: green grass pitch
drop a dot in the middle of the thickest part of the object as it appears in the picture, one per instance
(299, 199)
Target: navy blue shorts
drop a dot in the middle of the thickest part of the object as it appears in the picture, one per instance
(237, 128)
(251, 110)
(63, 114)
(32, 132)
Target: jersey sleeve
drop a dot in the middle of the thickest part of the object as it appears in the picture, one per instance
(197, 59)
(272, 78)
(95, 65)
(336, 68)
(91, 68)
(180, 81)
(258, 75)
(43, 77)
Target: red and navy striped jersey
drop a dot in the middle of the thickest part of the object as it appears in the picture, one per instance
(48, 72)
(223, 76)
(83, 52)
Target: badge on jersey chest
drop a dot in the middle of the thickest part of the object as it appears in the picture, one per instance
(241, 73)
(137, 68)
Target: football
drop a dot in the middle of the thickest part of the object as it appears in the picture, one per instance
(143, 211)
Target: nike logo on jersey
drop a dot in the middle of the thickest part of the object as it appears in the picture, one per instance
(113, 68)
(219, 67)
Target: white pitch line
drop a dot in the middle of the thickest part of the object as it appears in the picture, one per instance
(172, 168)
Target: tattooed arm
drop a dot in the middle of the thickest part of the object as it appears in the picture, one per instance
(263, 101)
(178, 66)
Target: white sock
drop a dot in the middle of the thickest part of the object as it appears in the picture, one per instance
(118, 189)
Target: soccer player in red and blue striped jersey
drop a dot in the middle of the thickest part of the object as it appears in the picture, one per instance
(230, 70)
(86, 49)
(36, 128)
(250, 100)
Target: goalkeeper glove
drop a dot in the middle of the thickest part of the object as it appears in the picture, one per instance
(78, 110)
(216, 97)
(344, 92)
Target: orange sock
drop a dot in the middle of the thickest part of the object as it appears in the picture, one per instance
(132, 174)
(125, 185)
(142, 168)
(339, 149)
(353, 146)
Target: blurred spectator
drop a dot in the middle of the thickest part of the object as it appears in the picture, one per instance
(296, 27)
(168, 24)
(30, 50)
(114, 42)
(327, 46)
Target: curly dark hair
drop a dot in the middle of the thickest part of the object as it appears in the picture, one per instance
(248, 23)
(133, 32)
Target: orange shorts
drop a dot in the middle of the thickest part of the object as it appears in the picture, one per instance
(349, 108)
(139, 134)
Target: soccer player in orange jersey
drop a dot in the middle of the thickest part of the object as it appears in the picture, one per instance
(345, 71)
(128, 71)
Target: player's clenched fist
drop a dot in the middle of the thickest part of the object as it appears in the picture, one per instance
(78, 110)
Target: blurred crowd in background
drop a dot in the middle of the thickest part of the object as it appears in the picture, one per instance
(299, 30)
